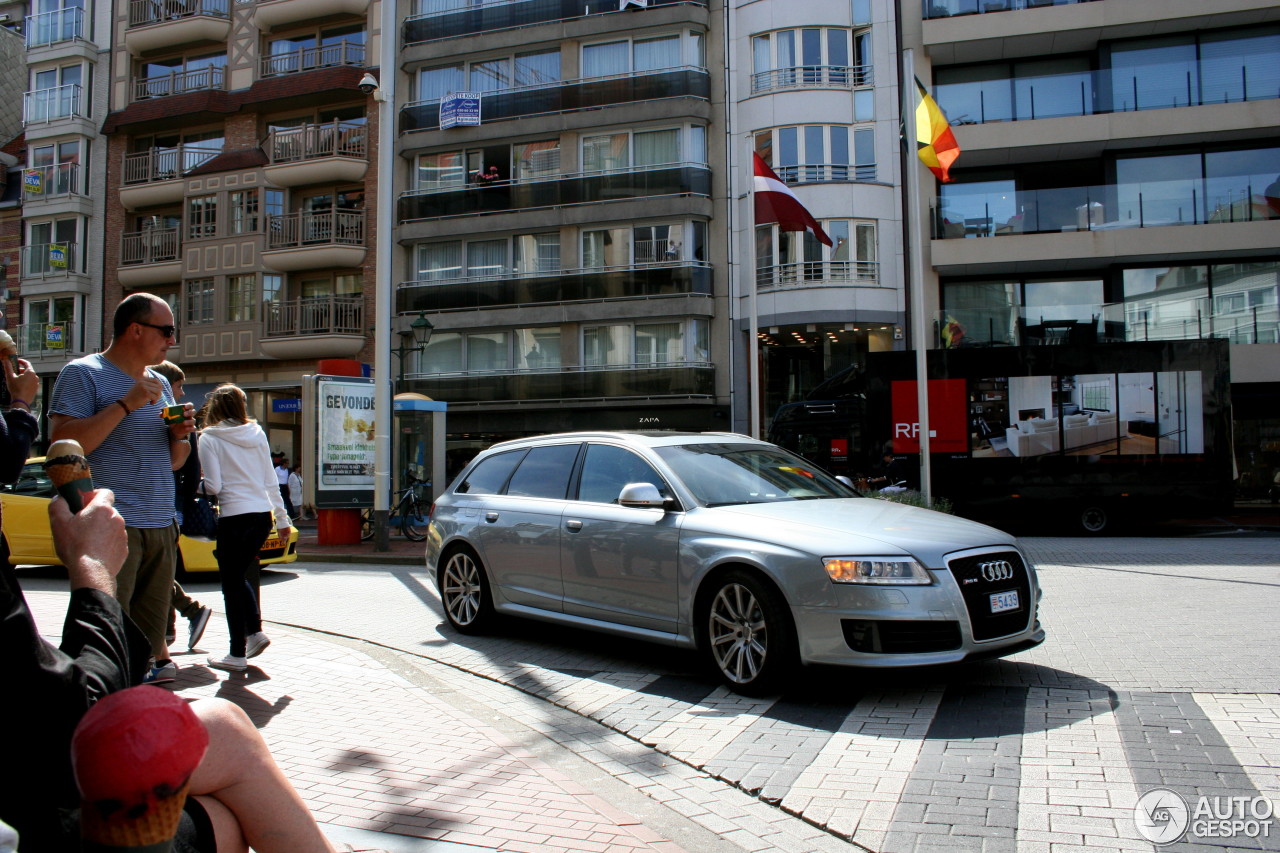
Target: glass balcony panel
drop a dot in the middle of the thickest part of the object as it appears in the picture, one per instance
(47, 182)
(562, 286)
(817, 272)
(949, 8)
(52, 104)
(60, 25)
(49, 260)
(441, 19)
(42, 340)
(569, 384)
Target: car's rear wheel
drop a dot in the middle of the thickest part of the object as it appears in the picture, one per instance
(747, 634)
(464, 591)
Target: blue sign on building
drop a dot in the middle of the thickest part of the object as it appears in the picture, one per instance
(460, 109)
(287, 404)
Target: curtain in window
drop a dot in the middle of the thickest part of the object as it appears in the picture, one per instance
(655, 54)
(607, 248)
(606, 345)
(657, 147)
(603, 60)
(439, 261)
(659, 343)
(486, 257)
(435, 83)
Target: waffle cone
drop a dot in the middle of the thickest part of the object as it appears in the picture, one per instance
(67, 469)
(145, 825)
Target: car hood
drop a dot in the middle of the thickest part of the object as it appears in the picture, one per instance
(860, 526)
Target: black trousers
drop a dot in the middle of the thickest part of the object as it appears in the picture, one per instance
(288, 502)
(239, 539)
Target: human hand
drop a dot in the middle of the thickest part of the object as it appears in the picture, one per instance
(23, 382)
(144, 392)
(186, 426)
(92, 544)
(284, 533)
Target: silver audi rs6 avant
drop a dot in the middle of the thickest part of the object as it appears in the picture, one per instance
(725, 544)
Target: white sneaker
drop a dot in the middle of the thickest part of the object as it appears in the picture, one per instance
(229, 663)
(256, 644)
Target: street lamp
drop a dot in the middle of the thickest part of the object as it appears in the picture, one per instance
(419, 333)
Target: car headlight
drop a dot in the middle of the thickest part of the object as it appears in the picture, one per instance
(885, 570)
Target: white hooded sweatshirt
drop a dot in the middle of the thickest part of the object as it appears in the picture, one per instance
(236, 459)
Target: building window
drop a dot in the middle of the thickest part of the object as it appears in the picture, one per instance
(472, 352)
(534, 160)
(244, 212)
(53, 248)
(537, 349)
(56, 93)
(815, 57)
(325, 48)
(819, 152)
(643, 244)
(538, 68)
(646, 344)
(637, 56)
(178, 74)
(199, 301)
(792, 257)
(202, 216)
(241, 298)
(643, 148)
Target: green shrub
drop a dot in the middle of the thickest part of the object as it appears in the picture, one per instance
(914, 498)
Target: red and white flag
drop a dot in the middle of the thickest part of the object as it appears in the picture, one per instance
(775, 202)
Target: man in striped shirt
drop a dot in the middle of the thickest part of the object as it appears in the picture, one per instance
(111, 403)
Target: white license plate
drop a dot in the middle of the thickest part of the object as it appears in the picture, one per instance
(1002, 601)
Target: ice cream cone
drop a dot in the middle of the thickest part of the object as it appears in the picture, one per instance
(69, 470)
(146, 827)
(8, 349)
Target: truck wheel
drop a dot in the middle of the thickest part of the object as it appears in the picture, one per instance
(1095, 519)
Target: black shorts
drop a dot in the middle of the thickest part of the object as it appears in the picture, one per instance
(195, 830)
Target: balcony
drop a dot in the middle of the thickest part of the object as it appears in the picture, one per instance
(568, 384)
(817, 274)
(154, 176)
(166, 23)
(812, 77)
(685, 82)
(48, 183)
(61, 340)
(150, 257)
(583, 188)
(303, 241)
(314, 153)
(320, 327)
(825, 173)
(44, 106)
(453, 18)
(950, 8)
(212, 78)
(553, 287)
(311, 58)
(51, 260)
(271, 14)
(57, 27)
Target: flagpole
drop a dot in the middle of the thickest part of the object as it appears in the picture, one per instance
(753, 328)
(919, 322)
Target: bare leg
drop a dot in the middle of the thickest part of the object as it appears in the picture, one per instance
(239, 772)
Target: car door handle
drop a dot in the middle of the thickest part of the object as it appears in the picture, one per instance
(573, 526)
(491, 517)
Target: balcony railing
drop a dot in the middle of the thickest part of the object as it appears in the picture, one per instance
(322, 315)
(143, 12)
(58, 102)
(451, 18)
(817, 272)
(570, 383)
(179, 82)
(511, 289)
(812, 77)
(47, 182)
(313, 141)
(806, 173)
(165, 164)
(42, 340)
(1241, 316)
(1080, 93)
(1151, 204)
(50, 260)
(311, 58)
(152, 246)
(294, 230)
(948, 8)
(685, 82)
(582, 188)
(60, 25)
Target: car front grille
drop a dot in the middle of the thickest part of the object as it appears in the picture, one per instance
(900, 636)
(979, 577)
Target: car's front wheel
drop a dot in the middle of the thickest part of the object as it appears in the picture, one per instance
(747, 634)
(464, 591)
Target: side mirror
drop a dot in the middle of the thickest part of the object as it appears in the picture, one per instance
(641, 495)
(842, 478)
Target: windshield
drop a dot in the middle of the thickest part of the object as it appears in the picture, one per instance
(725, 474)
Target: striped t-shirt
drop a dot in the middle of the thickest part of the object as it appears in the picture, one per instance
(133, 461)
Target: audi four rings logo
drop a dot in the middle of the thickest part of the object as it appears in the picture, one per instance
(996, 570)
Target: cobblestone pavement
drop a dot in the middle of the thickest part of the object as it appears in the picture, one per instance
(1160, 671)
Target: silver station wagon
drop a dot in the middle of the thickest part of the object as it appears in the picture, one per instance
(725, 544)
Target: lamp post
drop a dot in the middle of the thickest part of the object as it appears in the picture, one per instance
(413, 339)
(419, 332)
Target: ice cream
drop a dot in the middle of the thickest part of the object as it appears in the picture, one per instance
(69, 470)
(7, 347)
(133, 755)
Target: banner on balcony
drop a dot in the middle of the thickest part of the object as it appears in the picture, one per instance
(53, 338)
(33, 181)
(460, 109)
(634, 4)
(58, 255)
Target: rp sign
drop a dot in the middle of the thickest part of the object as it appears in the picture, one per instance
(947, 407)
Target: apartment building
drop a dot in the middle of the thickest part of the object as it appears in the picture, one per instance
(240, 187)
(1118, 182)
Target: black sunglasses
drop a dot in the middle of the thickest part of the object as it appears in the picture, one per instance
(167, 331)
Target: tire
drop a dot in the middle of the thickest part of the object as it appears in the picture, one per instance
(1096, 519)
(746, 633)
(366, 525)
(412, 524)
(464, 592)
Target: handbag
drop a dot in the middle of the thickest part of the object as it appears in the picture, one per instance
(200, 518)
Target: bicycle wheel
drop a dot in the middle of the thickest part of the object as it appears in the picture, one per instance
(366, 525)
(412, 524)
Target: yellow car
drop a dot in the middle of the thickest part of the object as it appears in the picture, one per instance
(26, 528)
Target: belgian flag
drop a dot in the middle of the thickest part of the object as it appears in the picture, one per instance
(935, 143)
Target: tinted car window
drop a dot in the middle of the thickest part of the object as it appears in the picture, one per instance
(33, 481)
(724, 474)
(607, 469)
(544, 473)
(491, 474)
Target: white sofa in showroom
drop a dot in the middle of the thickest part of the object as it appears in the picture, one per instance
(1033, 437)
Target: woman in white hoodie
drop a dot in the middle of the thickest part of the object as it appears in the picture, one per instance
(237, 466)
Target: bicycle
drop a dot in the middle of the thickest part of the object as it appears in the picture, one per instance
(407, 514)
